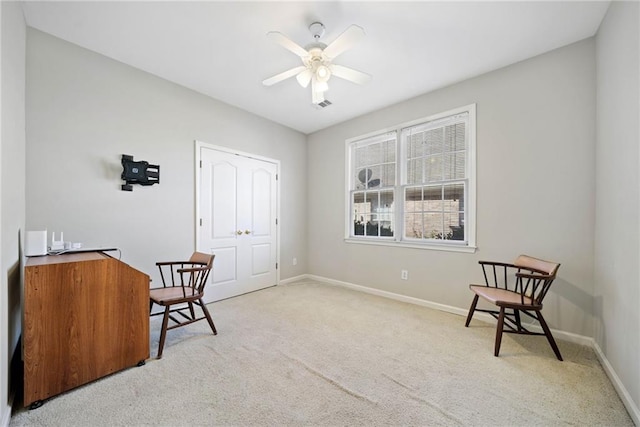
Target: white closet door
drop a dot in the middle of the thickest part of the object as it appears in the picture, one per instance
(238, 206)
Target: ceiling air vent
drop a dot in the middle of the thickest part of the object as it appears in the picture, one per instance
(323, 104)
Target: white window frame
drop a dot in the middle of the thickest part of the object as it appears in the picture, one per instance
(398, 240)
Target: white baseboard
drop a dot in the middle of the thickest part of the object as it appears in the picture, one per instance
(628, 402)
(394, 296)
(6, 414)
(632, 408)
(294, 279)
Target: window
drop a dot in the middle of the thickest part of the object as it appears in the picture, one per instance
(373, 182)
(414, 185)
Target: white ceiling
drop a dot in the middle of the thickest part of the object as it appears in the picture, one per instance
(220, 48)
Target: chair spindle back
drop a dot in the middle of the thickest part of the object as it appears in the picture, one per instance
(191, 275)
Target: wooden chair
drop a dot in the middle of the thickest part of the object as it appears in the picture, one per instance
(183, 285)
(516, 288)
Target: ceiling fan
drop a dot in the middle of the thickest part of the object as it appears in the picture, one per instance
(317, 59)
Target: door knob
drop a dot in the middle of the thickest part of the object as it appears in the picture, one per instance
(247, 232)
(239, 232)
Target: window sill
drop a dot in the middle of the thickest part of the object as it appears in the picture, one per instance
(423, 246)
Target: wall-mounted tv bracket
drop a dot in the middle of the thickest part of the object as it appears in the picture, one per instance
(139, 172)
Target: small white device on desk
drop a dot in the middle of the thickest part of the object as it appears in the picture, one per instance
(57, 245)
(35, 243)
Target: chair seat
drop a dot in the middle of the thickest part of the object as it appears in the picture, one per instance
(501, 296)
(172, 294)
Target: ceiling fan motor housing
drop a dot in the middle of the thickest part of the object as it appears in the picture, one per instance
(317, 63)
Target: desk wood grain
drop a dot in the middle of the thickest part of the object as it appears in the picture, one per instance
(86, 315)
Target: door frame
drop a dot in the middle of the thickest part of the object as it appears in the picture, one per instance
(198, 146)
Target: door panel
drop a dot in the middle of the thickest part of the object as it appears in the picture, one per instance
(223, 197)
(225, 265)
(261, 214)
(238, 206)
(261, 262)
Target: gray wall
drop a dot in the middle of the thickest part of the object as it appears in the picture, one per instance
(84, 111)
(12, 188)
(617, 232)
(535, 187)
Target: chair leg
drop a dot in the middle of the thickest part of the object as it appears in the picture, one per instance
(163, 332)
(191, 311)
(208, 316)
(499, 329)
(471, 310)
(547, 333)
(516, 316)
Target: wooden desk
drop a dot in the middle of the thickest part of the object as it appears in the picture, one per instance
(85, 315)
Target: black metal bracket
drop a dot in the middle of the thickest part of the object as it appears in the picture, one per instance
(140, 172)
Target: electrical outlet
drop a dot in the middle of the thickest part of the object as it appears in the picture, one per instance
(295, 261)
(404, 274)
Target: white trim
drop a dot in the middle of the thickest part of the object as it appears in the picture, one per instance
(7, 415)
(623, 393)
(627, 400)
(394, 296)
(347, 190)
(196, 196)
(198, 146)
(294, 279)
(428, 124)
(378, 133)
(438, 116)
(472, 178)
(404, 244)
(12, 400)
(375, 139)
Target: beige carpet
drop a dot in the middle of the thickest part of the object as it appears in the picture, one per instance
(314, 354)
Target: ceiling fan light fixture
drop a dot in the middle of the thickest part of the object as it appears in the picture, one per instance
(323, 73)
(321, 86)
(304, 77)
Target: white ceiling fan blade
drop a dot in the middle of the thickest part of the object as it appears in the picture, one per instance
(350, 74)
(348, 38)
(283, 76)
(287, 43)
(304, 77)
